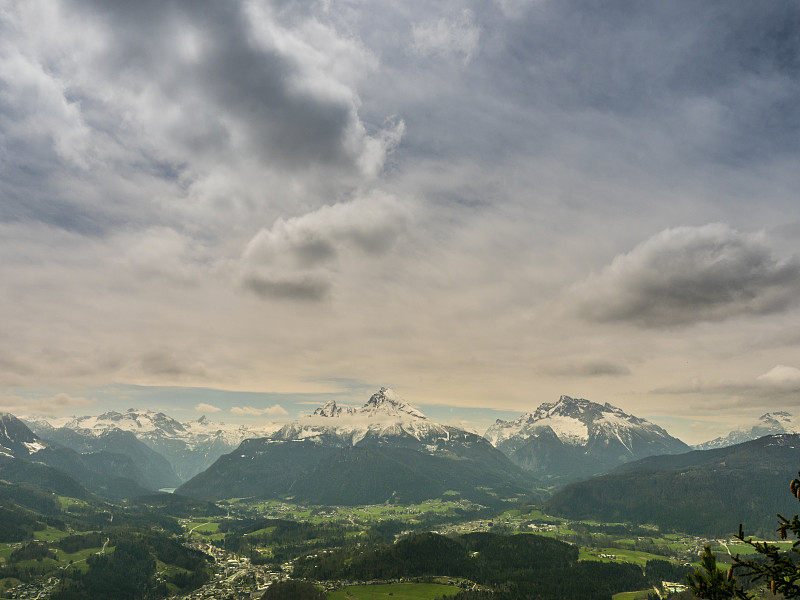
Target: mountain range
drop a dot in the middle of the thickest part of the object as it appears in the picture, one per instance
(25, 458)
(384, 450)
(189, 447)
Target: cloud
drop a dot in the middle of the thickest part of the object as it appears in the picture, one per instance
(781, 375)
(209, 408)
(687, 275)
(447, 37)
(276, 409)
(168, 362)
(777, 388)
(591, 368)
(52, 405)
(120, 116)
(296, 258)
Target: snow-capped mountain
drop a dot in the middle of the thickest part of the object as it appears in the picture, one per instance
(772, 423)
(26, 458)
(384, 450)
(574, 438)
(156, 472)
(385, 418)
(16, 440)
(189, 447)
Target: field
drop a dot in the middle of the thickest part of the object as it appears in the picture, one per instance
(206, 528)
(394, 591)
(640, 595)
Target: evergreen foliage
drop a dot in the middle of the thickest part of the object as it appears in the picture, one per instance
(129, 573)
(513, 567)
(771, 566)
(693, 492)
(293, 590)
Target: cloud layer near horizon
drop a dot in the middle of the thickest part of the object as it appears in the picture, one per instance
(481, 203)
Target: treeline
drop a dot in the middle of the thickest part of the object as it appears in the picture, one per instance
(517, 566)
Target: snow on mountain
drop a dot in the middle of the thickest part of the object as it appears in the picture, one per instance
(150, 425)
(189, 447)
(385, 415)
(771, 423)
(381, 451)
(575, 421)
(574, 438)
(16, 440)
(133, 420)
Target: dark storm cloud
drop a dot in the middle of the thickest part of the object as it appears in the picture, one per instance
(691, 274)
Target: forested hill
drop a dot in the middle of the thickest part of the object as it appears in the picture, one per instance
(518, 566)
(708, 492)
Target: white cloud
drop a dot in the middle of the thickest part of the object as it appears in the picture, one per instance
(203, 407)
(781, 375)
(53, 405)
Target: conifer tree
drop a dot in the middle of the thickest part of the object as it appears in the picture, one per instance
(777, 569)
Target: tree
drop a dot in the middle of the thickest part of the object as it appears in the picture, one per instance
(773, 566)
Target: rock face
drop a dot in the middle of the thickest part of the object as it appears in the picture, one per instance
(384, 450)
(771, 423)
(574, 438)
(189, 447)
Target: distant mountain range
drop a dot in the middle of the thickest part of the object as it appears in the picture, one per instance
(156, 471)
(189, 447)
(772, 423)
(25, 458)
(385, 450)
(574, 438)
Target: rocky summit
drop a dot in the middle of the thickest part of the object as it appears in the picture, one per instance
(575, 438)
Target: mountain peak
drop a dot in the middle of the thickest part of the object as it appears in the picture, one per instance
(387, 401)
(331, 409)
(575, 421)
(770, 423)
(16, 439)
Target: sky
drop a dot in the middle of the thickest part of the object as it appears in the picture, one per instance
(264, 204)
